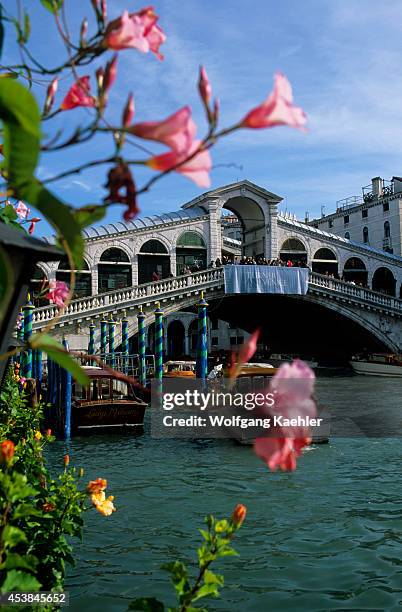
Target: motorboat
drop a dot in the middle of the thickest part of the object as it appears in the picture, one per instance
(179, 369)
(377, 364)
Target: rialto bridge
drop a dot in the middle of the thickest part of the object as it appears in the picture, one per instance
(354, 294)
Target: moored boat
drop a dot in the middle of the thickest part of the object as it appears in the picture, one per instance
(108, 403)
(377, 364)
(179, 369)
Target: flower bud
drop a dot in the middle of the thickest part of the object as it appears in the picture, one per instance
(100, 73)
(204, 86)
(50, 94)
(80, 472)
(6, 451)
(239, 514)
(215, 112)
(103, 9)
(66, 460)
(48, 433)
(110, 74)
(38, 435)
(128, 112)
(83, 33)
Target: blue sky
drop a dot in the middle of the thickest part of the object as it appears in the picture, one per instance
(343, 58)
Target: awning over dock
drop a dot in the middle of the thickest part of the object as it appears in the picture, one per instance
(266, 279)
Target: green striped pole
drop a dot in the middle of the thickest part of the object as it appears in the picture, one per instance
(124, 343)
(28, 316)
(158, 343)
(141, 348)
(103, 340)
(202, 346)
(91, 343)
(112, 326)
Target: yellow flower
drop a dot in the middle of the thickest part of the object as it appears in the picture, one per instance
(98, 497)
(106, 507)
(38, 435)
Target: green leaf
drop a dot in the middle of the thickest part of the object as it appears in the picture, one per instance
(147, 604)
(19, 581)
(18, 106)
(60, 216)
(16, 561)
(24, 510)
(7, 213)
(27, 27)
(52, 5)
(57, 352)
(211, 578)
(207, 590)
(179, 575)
(12, 536)
(89, 214)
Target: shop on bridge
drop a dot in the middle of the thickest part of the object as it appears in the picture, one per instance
(82, 285)
(191, 253)
(355, 271)
(114, 270)
(153, 258)
(325, 262)
(294, 250)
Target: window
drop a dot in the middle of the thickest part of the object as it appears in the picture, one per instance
(104, 384)
(385, 207)
(233, 340)
(364, 213)
(240, 339)
(331, 223)
(214, 341)
(346, 219)
(387, 230)
(120, 389)
(214, 324)
(347, 235)
(365, 235)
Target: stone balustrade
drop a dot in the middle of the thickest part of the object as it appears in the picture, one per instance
(104, 303)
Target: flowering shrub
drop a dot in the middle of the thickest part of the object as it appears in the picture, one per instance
(39, 513)
(29, 130)
(217, 543)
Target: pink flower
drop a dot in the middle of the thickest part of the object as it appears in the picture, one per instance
(247, 350)
(196, 169)
(280, 452)
(122, 189)
(277, 109)
(50, 94)
(103, 9)
(58, 292)
(33, 221)
(128, 112)
(79, 95)
(177, 131)
(136, 30)
(292, 387)
(22, 210)
(204, 86)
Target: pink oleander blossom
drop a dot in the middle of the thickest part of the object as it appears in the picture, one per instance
(50, 94)
(58, 292)
(196, 169)
(136, 30)
(176, 131)
(110, 74)
(22, 210)
(278, 109)
(292, 388)
(79, 95)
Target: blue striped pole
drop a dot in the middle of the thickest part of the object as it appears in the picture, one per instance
(20, 336)
(141, 348)
(66, 397)
(202, 346)
(103, 339)
(91, 343)
(124, 343)
(28, 316)
(158, 343)
(111, 325)
(39, 368)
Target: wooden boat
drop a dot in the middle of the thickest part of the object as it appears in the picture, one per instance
(179, 369)
(257, 369)
(378, 364)
(106, 404)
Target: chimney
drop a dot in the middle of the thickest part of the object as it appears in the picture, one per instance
(307, 217)
(376, 186)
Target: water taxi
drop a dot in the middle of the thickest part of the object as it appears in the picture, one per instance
(179, 369)
(107, 403)
(377, 364)
(257, 369)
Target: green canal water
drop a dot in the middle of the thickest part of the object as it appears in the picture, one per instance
(327, 537)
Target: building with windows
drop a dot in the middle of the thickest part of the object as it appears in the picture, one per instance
(374, 218)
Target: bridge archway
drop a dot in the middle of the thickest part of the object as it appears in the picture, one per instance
(355, 271)
(175, 339)
(191, 252)
(325, 262)
(153, 257)
(253, 222)
(83, 286)
(384, 281)
(114, 270)
(293, 249)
